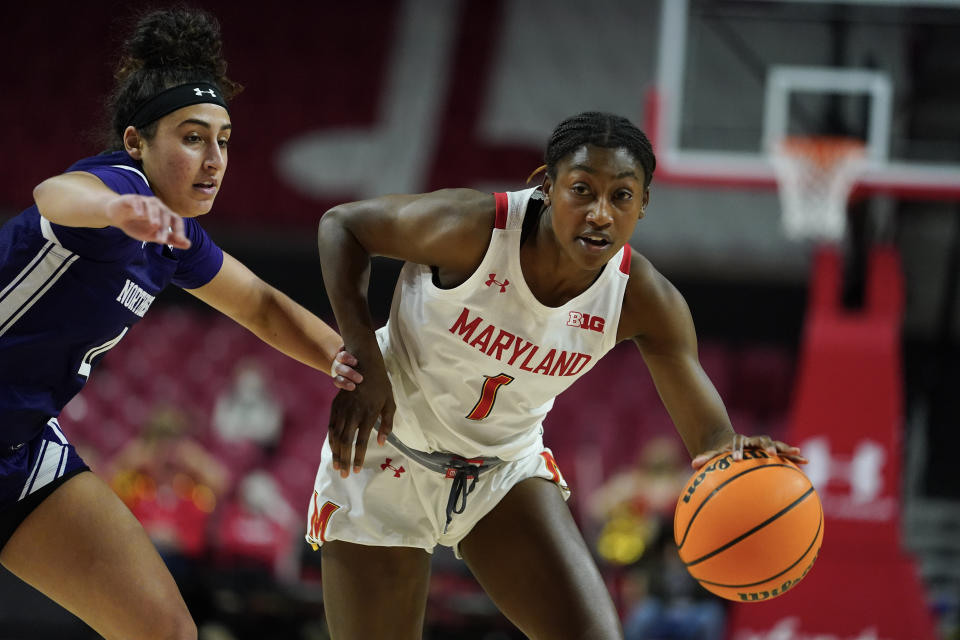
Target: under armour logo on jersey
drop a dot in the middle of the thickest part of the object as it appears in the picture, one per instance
(493, 280)
(200, 92)
(396, 471)
(586, 321)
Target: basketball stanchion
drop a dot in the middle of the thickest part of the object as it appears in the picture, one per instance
(846, 416)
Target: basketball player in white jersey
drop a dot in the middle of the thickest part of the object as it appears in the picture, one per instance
(504, 301)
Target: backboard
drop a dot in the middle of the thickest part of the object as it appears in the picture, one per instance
(736, 75)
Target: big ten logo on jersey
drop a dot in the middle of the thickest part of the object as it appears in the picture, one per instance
(586, 321)
(851, 487)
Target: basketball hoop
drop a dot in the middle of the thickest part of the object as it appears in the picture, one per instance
(815, 176)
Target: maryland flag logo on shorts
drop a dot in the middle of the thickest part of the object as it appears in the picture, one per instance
(319, 518)
(554, 469)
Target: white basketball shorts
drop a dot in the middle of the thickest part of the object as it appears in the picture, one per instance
(395, 501)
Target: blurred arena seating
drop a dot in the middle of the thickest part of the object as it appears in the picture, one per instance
(185, 357)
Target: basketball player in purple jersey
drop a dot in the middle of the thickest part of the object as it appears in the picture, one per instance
(503, 302)
(77, 271)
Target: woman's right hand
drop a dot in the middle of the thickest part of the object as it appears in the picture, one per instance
(354, 414)
(148, 219)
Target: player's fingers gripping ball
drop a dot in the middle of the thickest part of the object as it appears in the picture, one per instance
(748, 530)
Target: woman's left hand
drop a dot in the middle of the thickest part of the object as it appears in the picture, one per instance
(741, 442)
(342, 371)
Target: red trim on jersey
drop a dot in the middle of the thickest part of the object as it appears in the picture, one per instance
(625, 261)
(502, 206)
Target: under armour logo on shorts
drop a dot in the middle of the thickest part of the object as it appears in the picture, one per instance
(396, 471)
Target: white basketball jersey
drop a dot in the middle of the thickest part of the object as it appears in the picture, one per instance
(475, 368)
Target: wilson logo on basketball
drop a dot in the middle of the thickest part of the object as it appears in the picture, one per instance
(722, 465)
(758, 596)
(586, 321)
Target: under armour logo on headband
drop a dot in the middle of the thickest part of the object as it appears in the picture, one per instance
(169, 100)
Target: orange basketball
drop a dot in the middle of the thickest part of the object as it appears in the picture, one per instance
(748, 530)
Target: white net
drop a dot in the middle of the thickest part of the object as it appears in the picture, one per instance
(815, 176)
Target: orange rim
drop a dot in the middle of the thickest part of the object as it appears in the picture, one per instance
(823, 151)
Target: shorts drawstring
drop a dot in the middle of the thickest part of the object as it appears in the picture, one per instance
(457, 501)
(452, 466)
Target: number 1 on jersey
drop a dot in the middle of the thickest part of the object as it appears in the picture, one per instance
(488, 396)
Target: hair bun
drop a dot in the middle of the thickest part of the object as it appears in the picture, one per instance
(165, 49)
(177, 38)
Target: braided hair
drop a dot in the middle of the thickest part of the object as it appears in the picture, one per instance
(601, 130)
(167, 48)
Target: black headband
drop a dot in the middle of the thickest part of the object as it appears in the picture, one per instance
(174, 98)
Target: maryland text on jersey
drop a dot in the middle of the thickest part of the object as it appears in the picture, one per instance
(510, 348)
